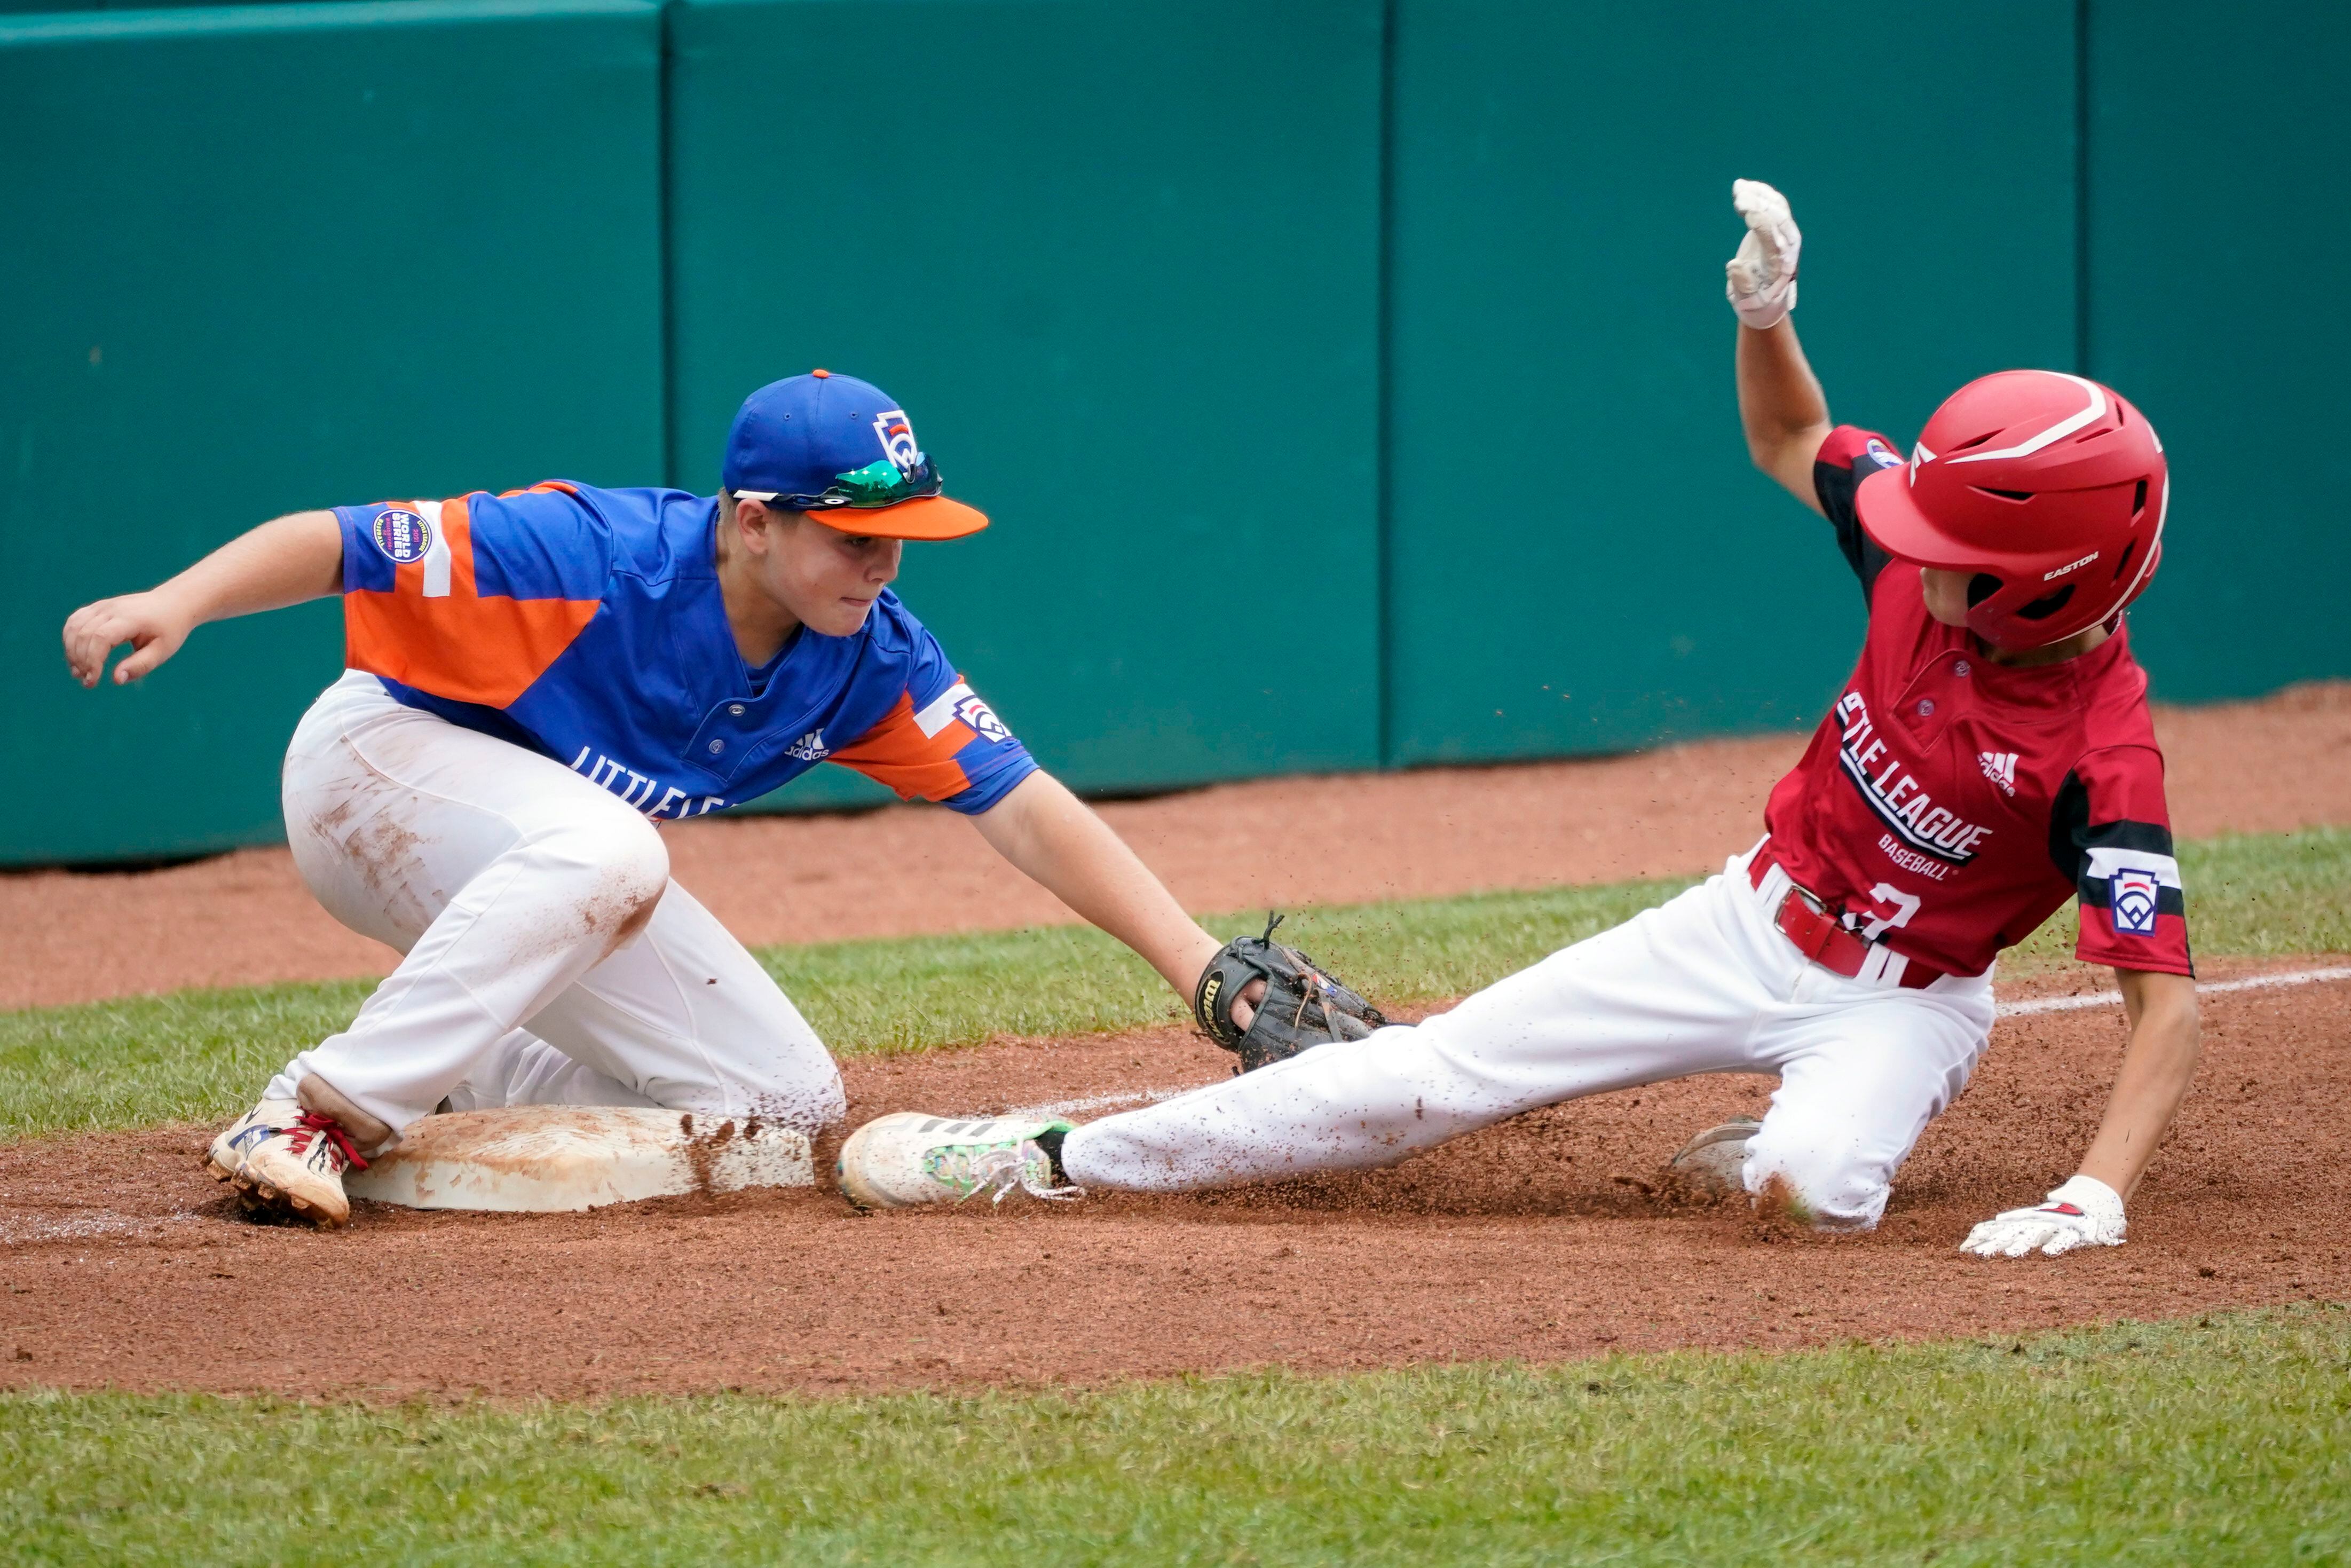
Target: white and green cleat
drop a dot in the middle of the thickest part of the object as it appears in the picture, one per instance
(908, 1159)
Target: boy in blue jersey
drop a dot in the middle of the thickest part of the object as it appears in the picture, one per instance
(536, 679)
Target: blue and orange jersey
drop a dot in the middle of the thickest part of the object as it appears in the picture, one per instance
(587, 625)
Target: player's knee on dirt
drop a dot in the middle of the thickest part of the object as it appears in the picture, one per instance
(1824, 1187)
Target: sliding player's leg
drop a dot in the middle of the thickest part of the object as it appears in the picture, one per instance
(1676, 990)
(1861, 1074)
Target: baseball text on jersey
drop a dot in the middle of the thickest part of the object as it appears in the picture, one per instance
(588, 625)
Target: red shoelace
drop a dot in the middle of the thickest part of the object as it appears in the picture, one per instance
(310, 1124)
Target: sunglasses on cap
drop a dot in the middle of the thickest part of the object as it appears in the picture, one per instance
(880, 483)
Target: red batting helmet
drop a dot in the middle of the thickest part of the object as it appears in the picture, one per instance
(2050, 488)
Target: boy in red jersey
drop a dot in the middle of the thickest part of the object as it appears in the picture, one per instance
(1990, 758)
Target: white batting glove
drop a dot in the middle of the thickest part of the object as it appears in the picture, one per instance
(2085, 1212)
(1762, 276)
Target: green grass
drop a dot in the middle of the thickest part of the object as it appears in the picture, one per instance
(2247, 895)
(915, 993)
(2222, 1439)
(202, 1055)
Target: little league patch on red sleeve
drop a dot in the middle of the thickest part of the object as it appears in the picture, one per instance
(2132, 896)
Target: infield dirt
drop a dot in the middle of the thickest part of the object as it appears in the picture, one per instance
(1545, 1238)
(1548, 1238)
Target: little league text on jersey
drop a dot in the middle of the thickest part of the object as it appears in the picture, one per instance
(636, 788)
(1895, 796)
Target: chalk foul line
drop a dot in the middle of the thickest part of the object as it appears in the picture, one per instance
(1055, 1108)
(1104, 1102)
(2204, 988)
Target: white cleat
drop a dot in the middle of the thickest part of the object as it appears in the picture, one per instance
(1716, 1160)
(907, 1158)
(283, 1159)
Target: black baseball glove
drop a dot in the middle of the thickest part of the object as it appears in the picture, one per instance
(1304, 1006)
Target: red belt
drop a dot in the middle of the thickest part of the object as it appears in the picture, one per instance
(1825, 940)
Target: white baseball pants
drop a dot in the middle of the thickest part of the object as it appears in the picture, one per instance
(549, 959)
(1705, 983)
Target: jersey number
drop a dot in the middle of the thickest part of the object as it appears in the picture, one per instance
(1905, 904)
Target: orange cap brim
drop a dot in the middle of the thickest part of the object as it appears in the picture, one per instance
(926, 517)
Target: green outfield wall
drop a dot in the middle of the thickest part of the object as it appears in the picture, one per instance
(1582, 556)
(2214, 246)
(1349, 379)
(1122, 263)
(261, 259)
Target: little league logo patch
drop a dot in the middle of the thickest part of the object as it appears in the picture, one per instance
(898, 440)
(959, 704)
(1877, 452)
(2131, 900)
(402, 535)
(982, 719)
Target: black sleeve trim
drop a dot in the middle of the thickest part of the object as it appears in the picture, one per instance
(2147, 838)
(2072, 836)
(2069, 815)
(1835, 484)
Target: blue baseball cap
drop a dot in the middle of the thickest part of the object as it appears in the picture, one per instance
(842, 451)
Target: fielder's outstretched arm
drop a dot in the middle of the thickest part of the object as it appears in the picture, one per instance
(1054, 838)
(294, 558)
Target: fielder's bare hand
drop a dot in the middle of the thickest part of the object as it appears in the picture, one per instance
(154, 623)
(295, 557)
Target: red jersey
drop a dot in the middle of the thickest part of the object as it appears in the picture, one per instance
(1948, 805)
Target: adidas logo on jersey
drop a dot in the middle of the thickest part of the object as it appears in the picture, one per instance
(808, 747)
(1999, 767)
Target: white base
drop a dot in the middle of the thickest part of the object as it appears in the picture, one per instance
(556, 1158)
